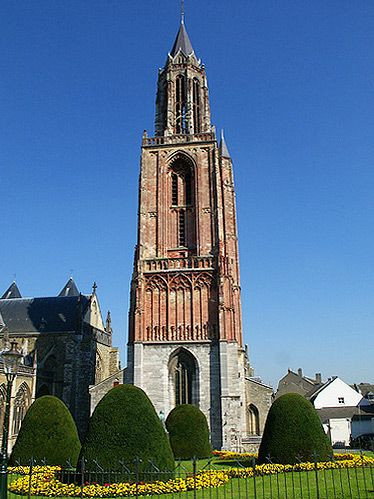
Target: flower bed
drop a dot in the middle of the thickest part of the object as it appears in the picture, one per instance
(225, 454)
(45, 483)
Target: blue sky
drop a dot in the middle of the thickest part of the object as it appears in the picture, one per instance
(290, 82)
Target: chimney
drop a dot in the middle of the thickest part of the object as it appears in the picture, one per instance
(318, 378)
(300, 372)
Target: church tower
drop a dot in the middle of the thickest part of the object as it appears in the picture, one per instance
(185, 330)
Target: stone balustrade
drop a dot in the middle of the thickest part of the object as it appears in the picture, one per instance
(181, 333)
(178, 139)
(183, 263)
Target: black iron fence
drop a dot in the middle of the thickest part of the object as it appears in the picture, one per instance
(198, 479)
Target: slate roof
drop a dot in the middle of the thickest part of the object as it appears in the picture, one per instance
(349, 412)
(70, 289)
(337, 413)
(52, 314)
(12, 292)
(182, 42)
(364, 388)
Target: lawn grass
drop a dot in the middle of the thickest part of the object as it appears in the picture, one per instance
(332, 484)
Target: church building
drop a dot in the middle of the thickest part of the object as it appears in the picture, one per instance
(67, 347)
(185, 326)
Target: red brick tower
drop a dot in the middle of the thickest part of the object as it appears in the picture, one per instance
(185, 332)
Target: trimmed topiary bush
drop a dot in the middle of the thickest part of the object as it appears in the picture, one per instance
(293, 431)
(123, 428)
(48, 432)
(188, 432)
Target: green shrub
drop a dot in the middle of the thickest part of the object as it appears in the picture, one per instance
(125, 427)
(48, 432)
(188, 432)
(293, 431)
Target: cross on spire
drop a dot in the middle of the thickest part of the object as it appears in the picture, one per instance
(182, 11)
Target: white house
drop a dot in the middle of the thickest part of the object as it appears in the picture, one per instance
(337, 403)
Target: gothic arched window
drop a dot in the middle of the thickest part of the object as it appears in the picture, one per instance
(183, 377)
(47, 375)
(253, 420)
(182, 196)
(180, 105)
(21, 404)
(42, 390)
(196, 105)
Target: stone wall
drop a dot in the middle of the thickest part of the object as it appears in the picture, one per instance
(260, 395)
(98, 391)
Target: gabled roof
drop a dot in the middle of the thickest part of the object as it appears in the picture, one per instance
(70, 289)
(182, 42)
(11, 292)
(320, 388)
(52, 314)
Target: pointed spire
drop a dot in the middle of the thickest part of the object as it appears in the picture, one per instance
(108, 323)
(223, 147)
(182, 11)
(11, 292)
(182, 41)
(70, 289)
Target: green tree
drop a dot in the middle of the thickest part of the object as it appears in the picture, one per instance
(48, 432)
(293, 431)
(188, 432)
(126, 430)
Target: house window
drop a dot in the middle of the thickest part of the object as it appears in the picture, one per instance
(341, 400)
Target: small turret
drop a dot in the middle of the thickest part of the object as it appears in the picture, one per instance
(223, 147)
(12, 292)
(70, 289)
(108, 323)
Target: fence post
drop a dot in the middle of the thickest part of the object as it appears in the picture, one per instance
(316, 474)
(253, 463)
(194, 476)
(136, 463)
(30, 477)
(82, 475)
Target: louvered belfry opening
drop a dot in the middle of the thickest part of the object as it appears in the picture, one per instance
(181, 105)
(196, 105)
(182, 201)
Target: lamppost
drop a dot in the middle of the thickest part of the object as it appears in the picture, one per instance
(11, 360)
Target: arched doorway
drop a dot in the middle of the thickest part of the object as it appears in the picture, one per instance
(183, 378)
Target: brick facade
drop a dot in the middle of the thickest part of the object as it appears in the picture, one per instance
(185, 331)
